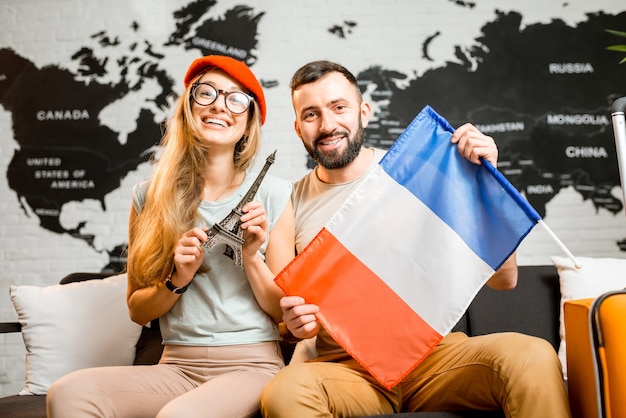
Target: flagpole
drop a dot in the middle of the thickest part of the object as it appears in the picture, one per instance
(560, 244)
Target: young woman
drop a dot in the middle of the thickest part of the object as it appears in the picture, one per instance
(218, 320)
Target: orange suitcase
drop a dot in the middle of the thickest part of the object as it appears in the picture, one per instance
(595, 334)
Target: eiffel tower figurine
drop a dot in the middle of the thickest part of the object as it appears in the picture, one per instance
(228, 230)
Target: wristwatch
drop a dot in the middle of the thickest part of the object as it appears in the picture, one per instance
(174, 289)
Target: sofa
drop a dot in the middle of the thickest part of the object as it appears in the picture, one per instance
(531, 308)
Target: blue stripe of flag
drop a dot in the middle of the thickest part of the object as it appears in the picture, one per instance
(477, 201)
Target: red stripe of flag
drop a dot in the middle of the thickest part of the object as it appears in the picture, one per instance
(334, 277)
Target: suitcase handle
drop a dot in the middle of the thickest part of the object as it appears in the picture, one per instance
(619, 130)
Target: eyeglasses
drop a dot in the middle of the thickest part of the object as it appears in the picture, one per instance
(205, 94)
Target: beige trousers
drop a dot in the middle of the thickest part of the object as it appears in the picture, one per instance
(513, 372)
(188, 382)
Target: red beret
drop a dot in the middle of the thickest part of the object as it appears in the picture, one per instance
(236, 69)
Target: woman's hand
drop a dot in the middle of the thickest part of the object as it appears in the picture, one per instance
(255, 228)
(148, 303)
(188, 256)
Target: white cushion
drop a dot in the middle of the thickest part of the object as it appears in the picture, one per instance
(73, 326)
(595, 277)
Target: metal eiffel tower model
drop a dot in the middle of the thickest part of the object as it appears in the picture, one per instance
(228, 230)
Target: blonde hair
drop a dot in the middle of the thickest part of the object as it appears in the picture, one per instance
(175, 191)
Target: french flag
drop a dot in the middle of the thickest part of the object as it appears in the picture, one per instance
(398, 264)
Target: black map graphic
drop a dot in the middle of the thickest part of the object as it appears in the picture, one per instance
(64, 153)
(546, 103)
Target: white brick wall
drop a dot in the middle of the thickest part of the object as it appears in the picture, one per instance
(290, 33)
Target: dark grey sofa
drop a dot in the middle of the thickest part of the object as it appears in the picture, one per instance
(531, 308)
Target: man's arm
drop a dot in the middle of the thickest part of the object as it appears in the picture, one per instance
(505, 278)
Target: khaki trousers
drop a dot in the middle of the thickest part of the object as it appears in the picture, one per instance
(513, 372)
(188, 382)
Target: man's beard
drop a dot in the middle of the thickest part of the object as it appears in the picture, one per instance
(334, 160)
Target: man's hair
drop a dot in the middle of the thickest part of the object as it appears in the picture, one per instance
(313, 71)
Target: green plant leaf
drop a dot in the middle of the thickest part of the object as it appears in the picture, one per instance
(616, 32)
(618, 48)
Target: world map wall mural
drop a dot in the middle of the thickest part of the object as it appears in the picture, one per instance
(548, 103)
(64, 154)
